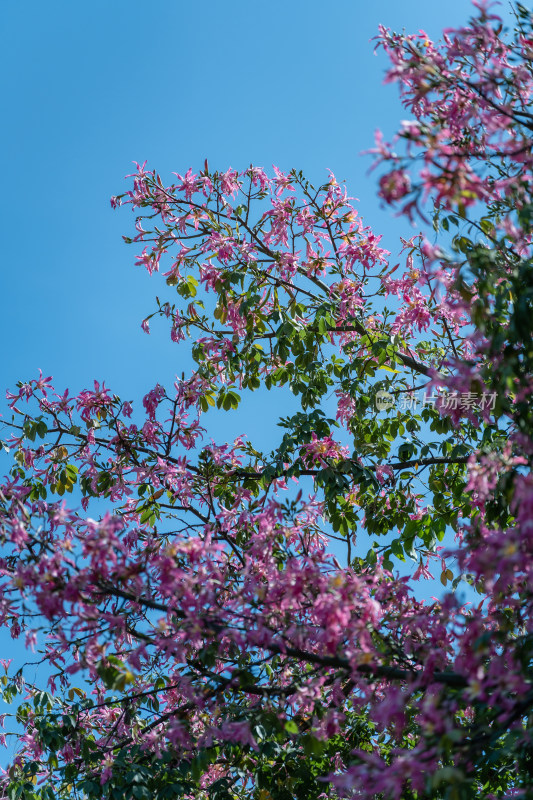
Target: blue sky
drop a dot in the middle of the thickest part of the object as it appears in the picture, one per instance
(89, 88)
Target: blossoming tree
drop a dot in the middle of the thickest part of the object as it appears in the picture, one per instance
(209, 625)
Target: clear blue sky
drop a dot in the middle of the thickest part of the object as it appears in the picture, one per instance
(90, 87)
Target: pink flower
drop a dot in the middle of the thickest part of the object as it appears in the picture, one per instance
(189, 183)
(259, 178)
(283, 182)
(152, 399)
(229, 182)
(319, 450)
(394, 185)
(150, 260)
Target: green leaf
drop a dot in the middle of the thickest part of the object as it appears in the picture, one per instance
(291, 727)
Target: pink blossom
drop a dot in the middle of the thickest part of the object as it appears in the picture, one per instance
(394, 185)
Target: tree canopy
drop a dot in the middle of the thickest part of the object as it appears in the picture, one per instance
(218, 622)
